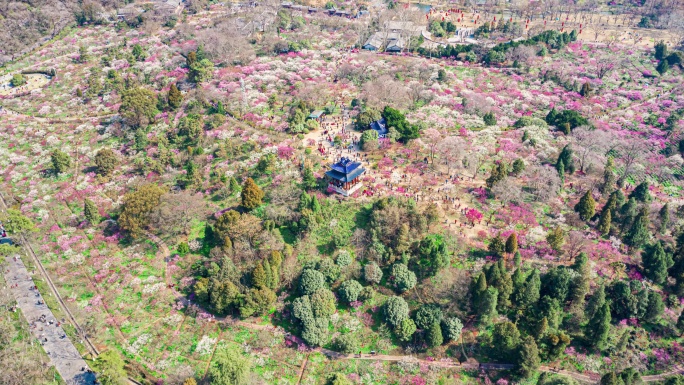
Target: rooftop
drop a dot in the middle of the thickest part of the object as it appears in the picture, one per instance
(345, 170)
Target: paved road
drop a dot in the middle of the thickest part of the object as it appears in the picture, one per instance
(63, 354)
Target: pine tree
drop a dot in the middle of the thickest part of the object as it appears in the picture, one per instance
(403, 241)
(656, 262)
(556, 238)
(530, 295)
(259, 277)
(680, 323)
(599, 327)
(175, 97)
(605, 222)
(641, 193)
(586, 207)
(597, 300)
(638, 234)
(269, 273)
(487, 305)
(434, 336)
(609, 178)
(561, 172)
(478, 289)
(309, 181)
(654, 308)
(517, 259)
(611, 378)
(664, 215)
(512, 244)
(252, 195)
(542, 329)
(190, 59)
(566, 156)
(90, 212)
(528, 357)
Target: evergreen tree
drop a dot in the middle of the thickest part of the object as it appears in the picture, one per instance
(655, 307)
(561, 172)
(505, 339)
(604, 222)
(512, 244)
(586, 207)
(517, 259)
(487, 305)
(628, 213)
(405, 330)
(680, 323)
(518, 166)
(596, 302)
(581, 282)
(478, 289)
(641, 193)
(656, 262)
(528, 357)
(105, 161)
(638, 234)
(252, 195)
(434, 335)
(663, 67)
(664, 215)
(530, 295)
(309, 181)
(175, 97)
(611, 378)
(556, 238)
(615, 200)
(660, 50)
(259, 277)
(90, 212)
(566, 156)
(609, 178)
(599, 327)
(60, 161)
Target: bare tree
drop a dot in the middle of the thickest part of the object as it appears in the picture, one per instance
(544, 182)
(507, 191)
(591, 145)
(630, 150)
(176, 211)
(450, 151)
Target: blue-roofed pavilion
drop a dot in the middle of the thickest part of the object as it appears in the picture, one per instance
(345, 176)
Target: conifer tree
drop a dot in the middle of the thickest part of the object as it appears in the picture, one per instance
(641, 192)
(664, 215)
(60, 161)
(586, 90)
(604, 222)
(586, 207)
(478, 289)
(656, 262)
(638, 234)
(680, 323)
(611, 378)
(259, 277)
(175, 97)
(561, 172)
(252, 195)
(566, 156)
(487, 305)
(512, 244)
(556, 238)
(609, 178)
(654, 308)
(90, 212)
(517, 259)
(530, 295)
(309, 181)
(528, 357)
(434, 336)
(599, 327)
(597, 300)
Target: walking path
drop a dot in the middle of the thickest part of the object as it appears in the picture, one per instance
(44, 327)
